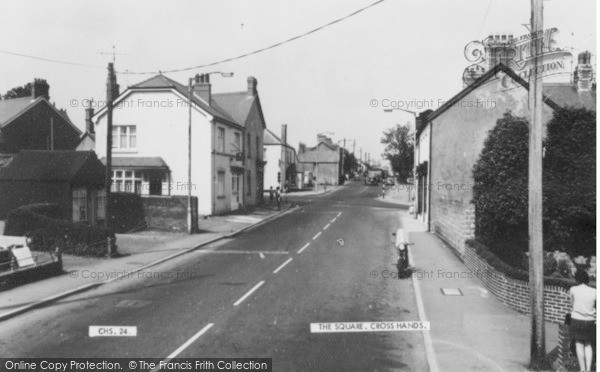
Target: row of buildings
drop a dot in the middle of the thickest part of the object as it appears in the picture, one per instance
(450, 139)
(235, 158)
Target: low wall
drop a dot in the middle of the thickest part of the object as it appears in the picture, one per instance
(132, 212)
(515, 293)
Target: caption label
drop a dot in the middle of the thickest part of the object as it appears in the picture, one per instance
(112, 331)
(369, 327)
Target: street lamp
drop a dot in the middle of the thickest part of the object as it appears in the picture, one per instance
(189, 185)
(317, 163)
(414, 114)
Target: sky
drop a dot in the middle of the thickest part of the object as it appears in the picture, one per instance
(335, 80)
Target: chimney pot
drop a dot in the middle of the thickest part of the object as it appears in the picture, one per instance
(284, 133)
(202, 88)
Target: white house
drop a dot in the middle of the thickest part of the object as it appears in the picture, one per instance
(281, 160)
(150, 143)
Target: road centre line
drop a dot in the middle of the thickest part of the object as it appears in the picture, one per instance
(248, 293)
(303, 248)
(326, 226)
(225, 251)
(316, 236)
(189, 342)
(339, 214)
(332, 221)
(282, 265)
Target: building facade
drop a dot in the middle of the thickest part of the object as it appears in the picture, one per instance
(281, 161)
(324, 161)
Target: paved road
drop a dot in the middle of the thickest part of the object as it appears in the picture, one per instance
(255, 296)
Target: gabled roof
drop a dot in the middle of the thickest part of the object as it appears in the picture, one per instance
(45, 165)
(566, 95)
(11, 109)
(481, 81)
(161, 81)
(320, 154)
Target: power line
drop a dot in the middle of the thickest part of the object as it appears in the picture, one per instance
(258, 50)
(49, 59)
(127, 72)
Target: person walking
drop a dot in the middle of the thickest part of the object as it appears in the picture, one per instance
(278, 197)
(285, 192)
(582, 326)
(271, 194)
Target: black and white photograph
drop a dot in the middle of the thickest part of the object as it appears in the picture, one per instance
(260, 185)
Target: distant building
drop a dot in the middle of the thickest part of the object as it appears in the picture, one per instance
(281, 161)
(33, 123)
(451, 138)
(323, 161)
(72, 179)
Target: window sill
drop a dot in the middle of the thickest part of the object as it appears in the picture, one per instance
(221, 197)
(124, 151)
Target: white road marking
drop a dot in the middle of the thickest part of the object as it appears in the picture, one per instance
(431, 360)
(249, 293)
(316, 236)
(225, 251)
(339, 214)
(189, 342)
(332, 221)
(303, 248)
(326, 227)
(282, 265)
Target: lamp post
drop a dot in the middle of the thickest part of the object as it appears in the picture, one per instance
(414, 130)
(317, 163)
(189, 180)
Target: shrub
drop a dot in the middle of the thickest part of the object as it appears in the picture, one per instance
(515, 273)
(47, 233)
(500, 190)
(570, 182)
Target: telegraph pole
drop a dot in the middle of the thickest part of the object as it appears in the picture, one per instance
(189, 170)
(536, 254)
(109, 122)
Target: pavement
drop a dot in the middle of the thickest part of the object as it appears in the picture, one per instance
(470, 330)
(136, 252)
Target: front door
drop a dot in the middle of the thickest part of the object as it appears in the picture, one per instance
(155, 183)
(235, 192)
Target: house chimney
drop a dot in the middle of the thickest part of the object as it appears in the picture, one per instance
(89, 124)
(202, 88)
(584, 74)
(252, 85)
(321, 138)
(40, 88)
(284, 133)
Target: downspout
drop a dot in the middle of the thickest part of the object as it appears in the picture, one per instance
(429, 180)
(213, 175)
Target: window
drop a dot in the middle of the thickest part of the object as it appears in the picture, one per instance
(248, 182)
(127, 181)
(221, 140)
(124, 137)
(248, 146)
(220, 184)
(257, 149)
(80, 205)
(237, 141)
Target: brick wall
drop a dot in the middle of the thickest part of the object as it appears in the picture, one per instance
(515, 293)
(454, 221)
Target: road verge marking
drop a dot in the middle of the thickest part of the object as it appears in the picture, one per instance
(316, 236)
(189, 342)
(248, 293)
(431, 360)
(282, 265)
(303, 248)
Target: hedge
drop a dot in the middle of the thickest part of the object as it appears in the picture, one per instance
(512, 272)
(47, 233)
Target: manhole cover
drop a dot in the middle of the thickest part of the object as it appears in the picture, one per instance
(133, 303)
(451, 292)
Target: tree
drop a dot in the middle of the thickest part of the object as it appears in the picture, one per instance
(350, 162)
(17, 92)
(399, 150)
